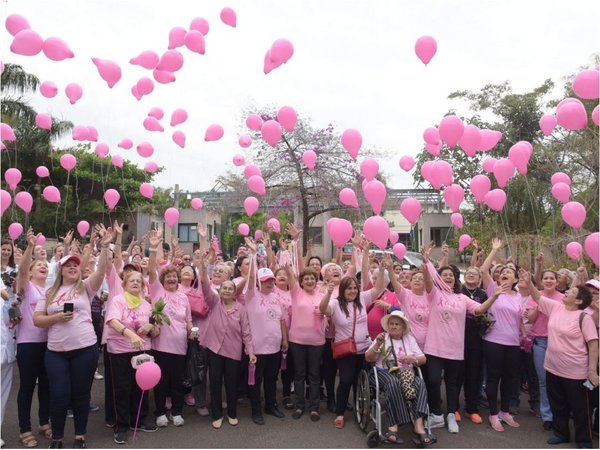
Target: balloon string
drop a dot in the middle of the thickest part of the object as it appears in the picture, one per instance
(77, 194)
(67, 196)
(137, 419)
(56, 219)
(125, 196)
(531, 199)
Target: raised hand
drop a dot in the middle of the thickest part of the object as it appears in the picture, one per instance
(496, 244)
(524, 275)
(292, 231)
(155, 238)
(31, 237)
(107, 237)
(117, 229)
(67, 238)
(201, 231)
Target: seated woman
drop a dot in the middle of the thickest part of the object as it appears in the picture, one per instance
(392, 349)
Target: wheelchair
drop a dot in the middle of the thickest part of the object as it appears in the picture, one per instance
(370, 407)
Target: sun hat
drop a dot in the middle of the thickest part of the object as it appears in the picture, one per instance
(398, 314)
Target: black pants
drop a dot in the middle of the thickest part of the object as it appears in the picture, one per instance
(127, 392)
(219, 368)
(349, 368)
(267, 367)
(287, 375)
(470, 378)
(30, 359)
(452, 369)
(329, 370)
(242, 384)
(307, 355)
(528, 374)
(109, 394)
(503, 362)
(172, 369)
(568, 397)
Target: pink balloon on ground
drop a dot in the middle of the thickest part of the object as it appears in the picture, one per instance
(254, 122)
(176, 37)
(68, 162)
(147, 375)
(287, 117)
(171, 61)
(27, 43)
(454, 196)
(73, 92)
(200, 24)
(271, 132)
(572, 116)
(274, 224)
(451, 130)
(433, 149)
(574, 250)
(245, 141)
(214, 133)
(15, 230)
(257, 185)
(399, 250)
(431, 135)
(394, 236)
(547, 124)
(5, 201)
(369, 168)
(457, 220)
(102, 150)
(147, 59)
(375, 193)
(281, 51)
(592, 247)
(251, 205)
(125, 144)
(489, 139)
(595, 115)
(470, 140)
(348, 197)
(480, 185)
(560, 177)
(488, 164)
(252, 169)
(15, 23)
(48, 89)
(179, 138)
(377, 230)
(197, 203)
(178, 116)
(228, 17)
(163, 76)
(24, 200)
(83, 227)
(407, 163)
(147, 190)
(51, 194)
(238, 160)
(43, 121)
(574, 214)
(244, 229)
(194, 41)
(425, 48)
(109, 70)
(171, 216)
(352, 141)
(151, 167)
(145, 149)
(495, 199)
(464, 241)
(586, 84)
(309, 158)
(42, 171)
(504, 169)
(410, 208)
(117, 161)
(12, 177)
(111, 197)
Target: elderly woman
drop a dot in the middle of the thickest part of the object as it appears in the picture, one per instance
(391, 350)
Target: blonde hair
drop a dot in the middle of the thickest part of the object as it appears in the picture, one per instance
(51, 293)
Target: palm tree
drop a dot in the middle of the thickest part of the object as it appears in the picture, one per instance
(15, 83)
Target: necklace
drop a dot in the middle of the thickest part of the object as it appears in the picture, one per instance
(471, 292)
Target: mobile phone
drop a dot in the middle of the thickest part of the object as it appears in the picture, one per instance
(68, 307)
(588, 384)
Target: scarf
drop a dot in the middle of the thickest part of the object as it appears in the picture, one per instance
(133, 301)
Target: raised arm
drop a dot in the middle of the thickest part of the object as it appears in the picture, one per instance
(533, 291)
(475, 246)
(487, 264)
(96, 278)
(427, 278)
(23, 275)
(364, 269)
(295, 236)
(118, 232)
(324, 305)
(445, 255)
(251, 245)
(271, 260)
(155, 239)
(309, 246)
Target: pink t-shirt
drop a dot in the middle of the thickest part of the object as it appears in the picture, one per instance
(416, 309)
(540, 325)
(265, 314)
(507, 311)
(131, 318)
(408, 343)
(241, 297)
(567, 355)
(172, 338)
(285, 299)
(27, 332)
(376, 313)
(78, 332)
(322, 287)
(446, 330)
(308, 324)
(343, 324)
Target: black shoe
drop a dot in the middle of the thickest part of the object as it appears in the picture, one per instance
(120, 437)
(258, 420)
(288, 403)
(79, 443)
(297, 413)
(55, 444)
(94, 407)
(547, 425)
(315, 416)
(149, 427)
(556, 440)
(274, 411)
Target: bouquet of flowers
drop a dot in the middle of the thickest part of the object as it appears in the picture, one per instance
(485, 321)
(157, 315)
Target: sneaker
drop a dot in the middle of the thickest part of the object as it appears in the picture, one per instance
(436, 421)
(475, 418)
(452, 425)
(120, 437)
(178, 421)
(495, 423)
(203, 411)
(233, 421)
(508, 419)
(162, 421)
(70, 413)
(275, 411)
(55, 444)
(189, 399)
(98, 376)
(288, 403)
(145, 427)
(79, 443)
(94, 407)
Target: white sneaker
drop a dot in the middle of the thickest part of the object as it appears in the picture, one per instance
(452, 425)
(162, 421)
(436, 421)
(203, 411)
(178, 421)
(98, 376)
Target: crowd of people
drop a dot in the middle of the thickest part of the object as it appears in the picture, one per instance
(267, 315)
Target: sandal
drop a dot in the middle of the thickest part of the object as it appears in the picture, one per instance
(339, 423)
(423, 438)
(28, 440)
(391, 437)
(46, 431)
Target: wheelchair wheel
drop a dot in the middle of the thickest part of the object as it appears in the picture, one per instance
(373, 439)
(362, 401)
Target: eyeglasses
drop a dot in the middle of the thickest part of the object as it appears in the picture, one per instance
(471, 272)
(220, 271)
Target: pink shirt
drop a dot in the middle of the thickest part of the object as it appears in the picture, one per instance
(27, 332)
(408, 343)
(507, 311)
(172, 338)
(241, 297)
(343, 324)
(322, 287)
(416, 309)
(308, 324)
(376, 313)
(265, 314)
(78, 332)
(131, 318)
(226, 330)
(567, 355)
(540, 325)
(285, 298)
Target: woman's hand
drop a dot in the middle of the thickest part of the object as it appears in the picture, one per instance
(63, 316)
(155, 238)
(330, 288)
(409, 359)
(292, 231)
(525, 276)
(383, 305)
(136, 342)
(251, 245)
(252, 358)
(145, 329)
(380, 338)
(496, 244)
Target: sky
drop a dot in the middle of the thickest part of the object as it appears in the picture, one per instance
(354, 66)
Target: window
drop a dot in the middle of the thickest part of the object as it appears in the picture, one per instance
(188, 232)
(441, 234)
(316, 234)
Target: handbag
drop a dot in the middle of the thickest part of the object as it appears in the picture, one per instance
(406, 375)
(195, 366)
(345, 347)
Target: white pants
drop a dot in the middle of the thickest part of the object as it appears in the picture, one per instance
(7, 378)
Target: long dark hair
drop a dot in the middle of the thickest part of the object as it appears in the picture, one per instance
(11, 258)
(585, 295)
(345, 284)
(456, 289)
(238, 263)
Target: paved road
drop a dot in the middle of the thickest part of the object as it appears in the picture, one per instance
(281, 433)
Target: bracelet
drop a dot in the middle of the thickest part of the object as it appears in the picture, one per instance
(153, 250)
(123, 331)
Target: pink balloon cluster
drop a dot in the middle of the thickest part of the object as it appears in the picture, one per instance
(27, 42)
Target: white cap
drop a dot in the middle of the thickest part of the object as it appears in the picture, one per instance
(265, 274)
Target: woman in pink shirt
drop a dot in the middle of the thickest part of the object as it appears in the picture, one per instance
(282, 292)
(571, 361)
(31, 346)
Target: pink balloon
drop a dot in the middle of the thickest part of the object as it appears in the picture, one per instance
(145, 86)
(43, 121)
(178, 116)
(27, 43)
(145, 149)
(399, 250)
(547, 124)
(254, 122)
(176, 37)
(489, 139)
(108, 70)
(117, 161)
(92, 133)
(574, 250)
(12, 177)
(197, 203)
(425, 48)
(454, 196)
(574, 214)
(592, 247)
(375, 193)
(394, 236)
(488, 164)
(15, 23)
(83, 227)
(24, 200)
(14, 230)
(451, 130)
(42, 172)
(431, 135)
(586, 84)
(252, 169)
(495, 199)
(179, 138)
(56, 49)
(7, 133)
(213, 133)
(426, 170)
(171, 61)
(464, 241)
(309, 158)
(238, 160)
(281, 51)
(407, 163)
(147, 59)
(101, 150)
(135, 93)
(504, 169)
(147, 375)
(369, 168)
(73, 92)
(48, 89)
(457, 220)
(51, 194)
(470, 140)
(269, 65)
(258, 234)
(194, 41)
(410, 208)
(433, 149)
(274, 224)
(271, 132)
(561, 192)
(560, 177)
(171, 216)
(244, 229)
(163, 76)
(41, 240)
(441, 174)
(5, 201)
(340, 231)
(200, 24)
(519, 154)
(111, 197)
(256, 184)
(156, 112)
(480, 185)
(228, 17)
(572, 115)
(348, 197)
(377, 231)
(596, 115)
(147, 190)
(125, 144)
(152, 124)
(352, 140)
(287, 117)
(79, 133)
(251, 205)
(151, 167)
(68, 162)
(245, 141)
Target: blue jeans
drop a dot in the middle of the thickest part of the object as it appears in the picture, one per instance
(70, 375)
(539, 354)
